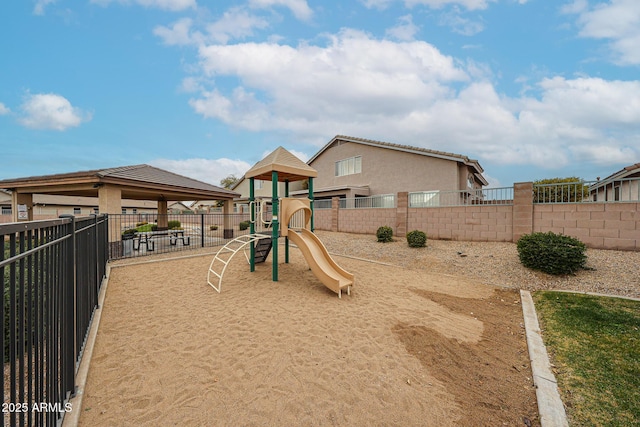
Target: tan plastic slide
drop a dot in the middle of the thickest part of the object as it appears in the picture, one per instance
(321, 263)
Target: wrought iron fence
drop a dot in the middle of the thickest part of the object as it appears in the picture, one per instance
(134, 235)
(619, 190)
(486, 196)
(322, 204)
(52, 271)
(369, 202)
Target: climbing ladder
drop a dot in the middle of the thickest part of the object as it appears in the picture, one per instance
(262, 250)
(223, 257)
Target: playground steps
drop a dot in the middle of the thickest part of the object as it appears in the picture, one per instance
(263, 247)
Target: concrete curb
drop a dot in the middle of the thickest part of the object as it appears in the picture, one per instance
(72, 418)
(550, 406)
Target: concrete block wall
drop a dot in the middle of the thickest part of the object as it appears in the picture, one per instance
(322, 219)
(366, 221)
(598, 225)
(492, 223)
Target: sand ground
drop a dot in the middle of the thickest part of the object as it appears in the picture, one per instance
(407, 348)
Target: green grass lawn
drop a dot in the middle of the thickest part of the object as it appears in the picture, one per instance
(594, 343)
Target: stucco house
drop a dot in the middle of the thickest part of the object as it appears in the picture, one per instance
(621, 186)
(354, 167)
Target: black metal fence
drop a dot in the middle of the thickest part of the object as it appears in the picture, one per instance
(134, 235)
(52, 271)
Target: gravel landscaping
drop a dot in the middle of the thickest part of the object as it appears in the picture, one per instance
(608, 272)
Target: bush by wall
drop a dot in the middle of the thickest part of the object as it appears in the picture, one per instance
(244, 225)
(417, 239)
(174, 224)
(384, 234)
(552, 253)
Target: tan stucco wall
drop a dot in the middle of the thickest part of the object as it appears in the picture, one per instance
(387, 171)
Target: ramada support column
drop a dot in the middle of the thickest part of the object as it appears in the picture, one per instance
(163, 215)
(110, 199)
(228, 223)
(23, 201)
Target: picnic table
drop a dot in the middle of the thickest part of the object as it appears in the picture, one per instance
(146, 239)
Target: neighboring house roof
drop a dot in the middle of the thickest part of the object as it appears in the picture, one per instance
(474, 164)
(137, 182)
(624, 173)
(288, 166)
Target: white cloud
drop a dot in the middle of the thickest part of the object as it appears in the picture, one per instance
(235, 23)
(172, 5)
(206, 170)
(4, 109)
(434, 4)
(299, 8)
(51, 111)
(409, 92)
(179, 33)
(405, 30)
(617, 21)
(459, 24)
(38, 9)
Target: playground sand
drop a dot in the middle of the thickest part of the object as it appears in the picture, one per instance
(407, 348)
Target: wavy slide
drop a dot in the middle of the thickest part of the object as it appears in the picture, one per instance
(321, 263)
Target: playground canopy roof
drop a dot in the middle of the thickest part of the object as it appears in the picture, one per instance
(289, 167)
(137, 182)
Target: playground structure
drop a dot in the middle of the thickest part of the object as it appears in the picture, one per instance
(294, 215)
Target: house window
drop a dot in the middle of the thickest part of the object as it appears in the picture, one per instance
(77, 211)
(616, 193)
(257, 184)
(96, 211)
(349, 166)
(6, 210)
(124, 211)
(135, 210)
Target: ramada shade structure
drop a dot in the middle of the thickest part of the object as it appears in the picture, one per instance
(137, 182)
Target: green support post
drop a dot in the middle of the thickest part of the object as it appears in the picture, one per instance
(311, 202)
(286, 239)
(252, 225)
(274, 224)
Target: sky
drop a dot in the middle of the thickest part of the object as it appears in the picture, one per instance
(532, 89)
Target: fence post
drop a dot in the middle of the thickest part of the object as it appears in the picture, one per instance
(68, 313)
(202, 230)
(402, 211)
(522, 209)
(335, 207)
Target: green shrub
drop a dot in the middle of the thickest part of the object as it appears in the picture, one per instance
(154, 227)
(384, 234)
(129, 234)
(552, 253)
(244, 225)
(213, 227)
(417, 239)
(174, 224)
